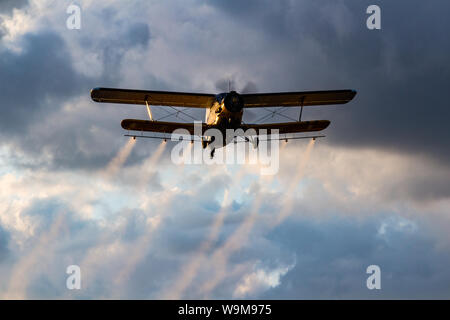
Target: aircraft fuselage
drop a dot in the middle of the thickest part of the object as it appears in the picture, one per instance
(226, 111)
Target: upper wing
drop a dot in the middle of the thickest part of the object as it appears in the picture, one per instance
(291, 99)
(160, 126)
(158, 98)
(290, 127)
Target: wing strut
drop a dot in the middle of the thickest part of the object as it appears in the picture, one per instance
(301, 109)
(149, 111)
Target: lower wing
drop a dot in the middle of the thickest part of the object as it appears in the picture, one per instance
(169, 127)
(159, 126)
(290, 127)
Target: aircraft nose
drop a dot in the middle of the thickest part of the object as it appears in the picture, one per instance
(234, 102)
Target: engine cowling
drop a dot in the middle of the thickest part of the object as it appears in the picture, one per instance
(234, 102)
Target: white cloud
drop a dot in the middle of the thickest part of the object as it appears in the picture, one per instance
(260, 280)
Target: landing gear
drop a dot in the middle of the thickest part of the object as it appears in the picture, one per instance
(205, 143)
(255, 142)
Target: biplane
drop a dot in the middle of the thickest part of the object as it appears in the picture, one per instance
(223, 111)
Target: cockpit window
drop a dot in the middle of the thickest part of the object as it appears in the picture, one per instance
(220, 97)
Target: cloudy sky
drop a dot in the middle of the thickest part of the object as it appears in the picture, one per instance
(74, 191)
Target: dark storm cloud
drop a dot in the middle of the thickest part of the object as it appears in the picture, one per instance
(268, 15)
(35, 84)
(35, 81)
(401, 72)
(114, 48)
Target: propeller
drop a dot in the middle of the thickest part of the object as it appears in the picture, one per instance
(229, 84)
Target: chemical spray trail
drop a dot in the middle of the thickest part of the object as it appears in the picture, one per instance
(30, 265)
(106, 247)
(149, 165)
(219, 259)
(239, 237)
(115, 164)
(187, 152)
(110, 247)
(137, 251)
(191, 269)
(136, 254)
(236, 241)
(154, 158)
(299, 173)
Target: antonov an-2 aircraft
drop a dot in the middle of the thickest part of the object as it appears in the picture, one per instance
(224, 110)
